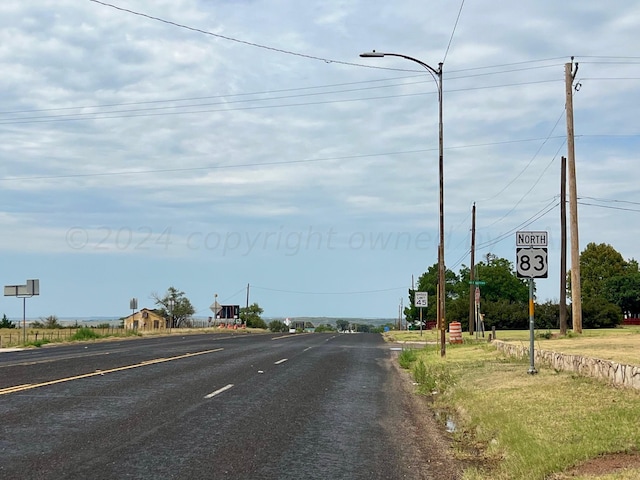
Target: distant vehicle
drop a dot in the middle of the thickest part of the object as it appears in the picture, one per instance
(292, 330)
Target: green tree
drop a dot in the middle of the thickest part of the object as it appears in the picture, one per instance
(175, 307)
(599, 313)
(547, 315)
(6, 323)
(50, 322)
(277, 326)
(325, 328)
(428, 282)
(502, 283)
(250, 316)
(624, 291)
(598, 264)
(342, 325)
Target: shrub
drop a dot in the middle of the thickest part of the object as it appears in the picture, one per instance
(325, 328)
(277, 326)
(85, 333)
(406, 357)
(434, 377)
(256, 323)
(6, 323)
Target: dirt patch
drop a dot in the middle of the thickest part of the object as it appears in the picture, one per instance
(603, 465)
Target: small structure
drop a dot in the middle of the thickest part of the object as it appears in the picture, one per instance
(145, 319)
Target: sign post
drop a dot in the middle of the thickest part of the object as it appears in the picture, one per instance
(23, 291)
(531, 262)
(476, 308)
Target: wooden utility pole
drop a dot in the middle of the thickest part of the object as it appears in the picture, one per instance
(472, 289)
(563, 247)
(576, 302)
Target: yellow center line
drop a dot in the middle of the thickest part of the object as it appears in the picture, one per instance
(29, 386)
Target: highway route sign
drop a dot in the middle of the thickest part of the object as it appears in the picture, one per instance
(531, 262)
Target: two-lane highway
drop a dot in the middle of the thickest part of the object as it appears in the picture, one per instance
(205, 407)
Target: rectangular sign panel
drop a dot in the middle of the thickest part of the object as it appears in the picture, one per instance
(531, 239)
(421, 299)
(16, 291)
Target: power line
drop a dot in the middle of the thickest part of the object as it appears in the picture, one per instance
(609, 200)
(150, 112)
(610, 207)
(453, 32)
(244, 42)
(536, 216)
(252, 165)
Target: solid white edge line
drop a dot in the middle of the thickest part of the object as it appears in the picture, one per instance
(281, 361)
(219, 391)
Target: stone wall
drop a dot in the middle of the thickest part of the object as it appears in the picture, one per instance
(612, 372)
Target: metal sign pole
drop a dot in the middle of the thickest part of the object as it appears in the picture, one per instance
(24, 320)
(532, 368)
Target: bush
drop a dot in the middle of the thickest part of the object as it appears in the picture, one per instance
(85, 333)
(278, 326)
(325, 328)
(256, 323)
(406, 357)
(6, 323)
(598, 313)
(435, 377)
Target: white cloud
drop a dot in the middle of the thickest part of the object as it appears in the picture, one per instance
(114, 122)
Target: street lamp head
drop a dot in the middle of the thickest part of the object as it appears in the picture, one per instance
(372, 54)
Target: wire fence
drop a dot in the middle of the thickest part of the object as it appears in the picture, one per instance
(19, 337)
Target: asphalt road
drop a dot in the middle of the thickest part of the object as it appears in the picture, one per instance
(283, 406)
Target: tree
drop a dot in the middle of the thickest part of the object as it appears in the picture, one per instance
(325, 328)
(50, 322)
(598, 263)
(428, 282)
(624, 291)
(250, 316)
(6, 323)
(178, 315)
(342, 325)
(598, 313)
(277, 326)
(502, 283)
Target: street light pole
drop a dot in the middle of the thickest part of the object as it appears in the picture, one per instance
(437, 76)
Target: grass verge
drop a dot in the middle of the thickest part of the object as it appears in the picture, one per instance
(513, 425)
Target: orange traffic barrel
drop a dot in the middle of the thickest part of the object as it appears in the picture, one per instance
(455, 332)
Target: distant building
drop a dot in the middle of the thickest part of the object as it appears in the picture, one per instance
(145, 319)
(302, 326)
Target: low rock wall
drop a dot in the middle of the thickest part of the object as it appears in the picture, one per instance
(612, 372)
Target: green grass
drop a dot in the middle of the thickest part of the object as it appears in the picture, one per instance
(525, 426)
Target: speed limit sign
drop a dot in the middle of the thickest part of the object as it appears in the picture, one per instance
(531, 262)
(421, 299)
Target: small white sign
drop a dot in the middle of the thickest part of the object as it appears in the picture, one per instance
(421, 299)
(531, 239)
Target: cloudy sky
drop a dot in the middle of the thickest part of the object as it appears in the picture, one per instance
(209, 145)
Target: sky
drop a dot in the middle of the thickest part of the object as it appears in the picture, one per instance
(233, 147)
